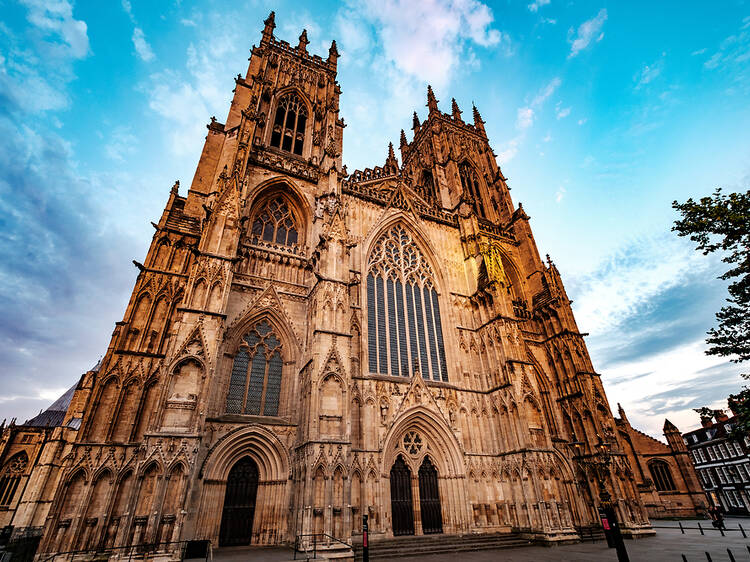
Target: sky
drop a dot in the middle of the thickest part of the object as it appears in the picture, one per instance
(601, 114)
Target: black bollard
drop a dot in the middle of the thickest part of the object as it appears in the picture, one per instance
(365, 545)
(700, 528)
(744, 536)
(681, 529)
(731, 556)
(708, 557)
(684, 558)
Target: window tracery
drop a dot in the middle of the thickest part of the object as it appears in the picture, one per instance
(275, 223)
(661, 476)
(288, 131)
(255, 382)
(403, 313)
(11, 477)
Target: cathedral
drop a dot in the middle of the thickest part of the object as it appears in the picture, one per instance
(305, 346)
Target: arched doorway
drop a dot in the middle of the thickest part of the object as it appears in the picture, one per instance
(429, 499)
(402, 511)
(239, 503)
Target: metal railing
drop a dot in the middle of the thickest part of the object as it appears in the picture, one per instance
(139, 551)
(300, 545)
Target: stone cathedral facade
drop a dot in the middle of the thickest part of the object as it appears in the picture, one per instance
(305, 345)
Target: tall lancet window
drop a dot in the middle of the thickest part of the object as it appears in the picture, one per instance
(255, 384)
(405, 332)
(470, 183)
(289, 124)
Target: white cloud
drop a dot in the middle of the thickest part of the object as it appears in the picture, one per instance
(34, 76)
(547, 138)
(424, 40)
(509, 151)
(699, 51)
(649, 72)
(561, 191)
(588, 31)
(536, 4)
(525, 118)
(122, 142)
(561, 112)
(142, 48)
(583, 120)
(56, 18)
(629, 279)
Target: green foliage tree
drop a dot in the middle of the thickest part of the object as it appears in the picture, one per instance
(721, 223)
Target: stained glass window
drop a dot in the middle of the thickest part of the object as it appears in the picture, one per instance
(289, 124)
(255, 382)
(275, 223)
(403, 315)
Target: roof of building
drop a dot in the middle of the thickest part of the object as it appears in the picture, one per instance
(717, 430)
(55, 414)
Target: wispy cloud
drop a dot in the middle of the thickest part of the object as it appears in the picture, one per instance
(536, 4)
(560, 111)
(649, 72)
(588, 31)
(142, 47)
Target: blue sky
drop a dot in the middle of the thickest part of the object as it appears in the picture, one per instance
(601, 114)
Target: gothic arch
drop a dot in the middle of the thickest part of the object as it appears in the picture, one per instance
(299, 205)
(444, 450)
(254, 441)
(279, 323)
(429, 252)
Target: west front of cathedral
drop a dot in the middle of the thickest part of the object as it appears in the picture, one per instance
(305, 346)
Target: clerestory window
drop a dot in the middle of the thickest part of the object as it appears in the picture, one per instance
(255, 383)
(275, 223)
(405, 331)
(288, 131)
(11, 477)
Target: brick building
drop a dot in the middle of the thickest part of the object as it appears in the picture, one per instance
(305, 345)
(722, 462)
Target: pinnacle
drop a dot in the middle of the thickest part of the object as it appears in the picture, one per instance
(415, 121)
(431, 100)
(403, 139)
(455, 110)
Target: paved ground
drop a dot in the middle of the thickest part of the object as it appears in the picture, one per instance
(668, 544)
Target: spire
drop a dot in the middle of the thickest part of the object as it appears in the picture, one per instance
(268, 29)
(454, 109)
(415, 123)
(478, 123)
(333, 54)
(391, 164)
(431, 101)
(404, 143)
(621, 411)
(669, 427)
(303, 42)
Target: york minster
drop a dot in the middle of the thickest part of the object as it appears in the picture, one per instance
(306, 345)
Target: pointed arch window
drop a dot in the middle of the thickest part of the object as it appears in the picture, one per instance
(255, 383)
(661, 476)
(275, 223)
(288, 131)
(428, 182)
(11, 477)
(405, 332)
(470, 184)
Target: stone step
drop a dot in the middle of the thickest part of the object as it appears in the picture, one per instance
(439, 544)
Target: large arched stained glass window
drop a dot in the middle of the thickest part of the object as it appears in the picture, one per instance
(405, 332)
(255, 384)
(10, 477)
(275, 223)
(289, 124)
(470, 184)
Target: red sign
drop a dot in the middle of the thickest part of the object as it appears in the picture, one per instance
(605, 524)
(364, 540)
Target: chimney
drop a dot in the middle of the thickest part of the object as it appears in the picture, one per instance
(706, 421)
(721, 416)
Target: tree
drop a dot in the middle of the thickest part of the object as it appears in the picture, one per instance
(722, 223)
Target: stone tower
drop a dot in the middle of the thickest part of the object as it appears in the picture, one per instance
(304, 346)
